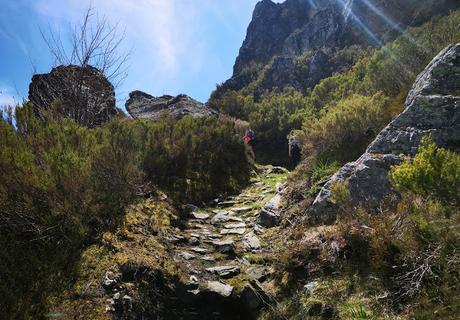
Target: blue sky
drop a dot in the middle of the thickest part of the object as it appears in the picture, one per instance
(179, 46)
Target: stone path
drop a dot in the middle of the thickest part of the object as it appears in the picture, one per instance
(222, 248)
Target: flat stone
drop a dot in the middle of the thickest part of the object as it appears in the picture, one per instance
(175, 239)
(220, 217)
(239, 231)
(225, 271)
(226, 246)
(214, 236)
(235, 225)
(251, 241)
(199, 250)
(186, 255)
(220, 288)
(227, 203)
(208, 258)
(241, 209)
(199, 216)
(203, 227)
(224, 217)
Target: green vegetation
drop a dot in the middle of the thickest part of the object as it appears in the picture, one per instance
(377, 83)
(401, 264)
(63, 185)
(434, 172)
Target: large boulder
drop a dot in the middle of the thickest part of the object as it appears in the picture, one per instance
(80, 93)
(432, 108)
(141, 105)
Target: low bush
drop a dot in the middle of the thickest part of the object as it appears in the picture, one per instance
(433, 172)
(63, 185)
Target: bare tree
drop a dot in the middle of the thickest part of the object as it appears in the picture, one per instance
(93, 42)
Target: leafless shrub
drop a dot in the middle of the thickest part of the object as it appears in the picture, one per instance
(93, 42)
(419, 271)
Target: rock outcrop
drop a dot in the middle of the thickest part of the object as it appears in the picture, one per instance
(294, 27)
(141, 105)
(432, 108)
(80, 93)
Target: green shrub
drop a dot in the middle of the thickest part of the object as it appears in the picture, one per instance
(62, 185)
(344, 130)
(272, 120)
(195, 159)
(433, 172)
(232, 103)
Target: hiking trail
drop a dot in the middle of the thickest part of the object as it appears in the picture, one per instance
(225, 248)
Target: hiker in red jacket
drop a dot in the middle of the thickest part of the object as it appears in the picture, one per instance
(249, 139)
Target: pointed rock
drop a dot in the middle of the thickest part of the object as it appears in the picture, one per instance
(222, 289)
(251, 241)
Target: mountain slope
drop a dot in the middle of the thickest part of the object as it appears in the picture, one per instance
(296, 27)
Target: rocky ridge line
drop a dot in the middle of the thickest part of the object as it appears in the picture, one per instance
(141, 105)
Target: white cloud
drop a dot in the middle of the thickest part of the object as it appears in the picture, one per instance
(172, 40)
(160, 29)
(7, 96)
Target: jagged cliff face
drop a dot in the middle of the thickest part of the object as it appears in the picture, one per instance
(294, 27)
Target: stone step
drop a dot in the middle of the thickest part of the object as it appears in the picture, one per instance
(199, 250)
(241, 209)
(186, 255)
(239, 231)
(224, 217)
(225, 246)
(235, 225)
(199, 216)
(225, 272)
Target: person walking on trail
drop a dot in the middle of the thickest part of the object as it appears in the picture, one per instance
(294, 149)
(249, 139)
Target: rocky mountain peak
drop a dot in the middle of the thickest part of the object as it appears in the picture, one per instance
(141, 105)
(294, 27)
